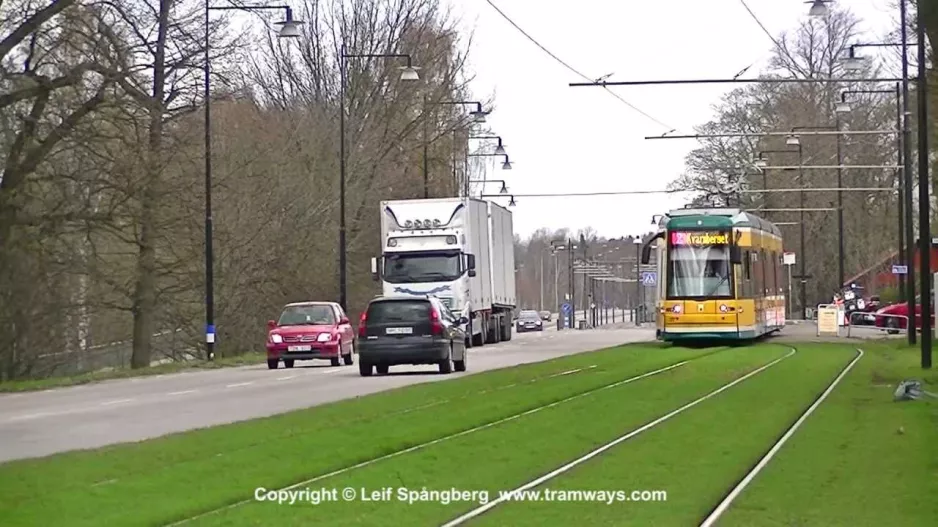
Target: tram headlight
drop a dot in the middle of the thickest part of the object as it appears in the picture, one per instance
(723, 308)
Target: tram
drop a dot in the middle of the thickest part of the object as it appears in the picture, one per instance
(721, 275)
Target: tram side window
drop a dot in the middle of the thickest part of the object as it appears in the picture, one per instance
(758, 274)
(779, 273)
(770, 264)
(747, 274)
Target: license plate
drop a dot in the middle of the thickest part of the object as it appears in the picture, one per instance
(399, 331)
(299, 348)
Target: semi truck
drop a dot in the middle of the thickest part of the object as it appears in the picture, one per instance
(460, 250)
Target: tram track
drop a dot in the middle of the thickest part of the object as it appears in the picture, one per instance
(732, 493)
(487, 425)
(482, 509)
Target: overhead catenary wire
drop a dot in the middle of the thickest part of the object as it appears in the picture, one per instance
(781, 49)
(571, 68)
(680, 191)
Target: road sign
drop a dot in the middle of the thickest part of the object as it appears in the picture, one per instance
(900, 269)
(566, 308)
(649, 278)
(827, 321)
(788, 258)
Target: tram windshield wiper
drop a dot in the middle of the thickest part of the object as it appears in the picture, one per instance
(719, 284)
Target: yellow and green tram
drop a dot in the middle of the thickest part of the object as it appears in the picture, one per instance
(721, 275)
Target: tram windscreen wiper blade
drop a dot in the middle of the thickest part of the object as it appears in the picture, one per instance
(721, 282)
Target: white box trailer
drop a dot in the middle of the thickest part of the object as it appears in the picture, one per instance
(459, 250)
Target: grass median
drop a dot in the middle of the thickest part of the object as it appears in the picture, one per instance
(861, 459)
(500, 457)
(696, 457)
(186, 473)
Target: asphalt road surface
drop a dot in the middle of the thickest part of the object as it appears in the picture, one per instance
(41, 423)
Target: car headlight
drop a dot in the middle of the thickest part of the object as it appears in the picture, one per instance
(538, 322)
(324, 337)
(276, 338)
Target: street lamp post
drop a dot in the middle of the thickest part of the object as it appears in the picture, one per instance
(853, 63)
(478, 116)
(844, 107)
(506, 165)
(289, 29)
(638, 278)
(840, 195)
(794, 141)
(924, 200)
(408, 73)
(762, 165)
(504, 189)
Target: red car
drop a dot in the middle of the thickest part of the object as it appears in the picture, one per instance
(310, 330)
(901, 312)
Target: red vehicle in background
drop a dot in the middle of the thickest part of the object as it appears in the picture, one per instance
(310, 330)
(900, 315)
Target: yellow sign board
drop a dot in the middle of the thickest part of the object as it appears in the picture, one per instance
(827, 321)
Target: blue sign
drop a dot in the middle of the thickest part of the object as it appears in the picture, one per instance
(900, 269)
(649, 278)
(566, 308)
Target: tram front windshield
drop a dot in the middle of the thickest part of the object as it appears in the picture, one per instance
(699, 272)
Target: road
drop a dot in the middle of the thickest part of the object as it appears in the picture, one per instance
(36, 424)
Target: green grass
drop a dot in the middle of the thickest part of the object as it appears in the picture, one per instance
(180, 475)
(31, 385)
(696, 457)
(503, 456)
(861, 459)
(847, 465)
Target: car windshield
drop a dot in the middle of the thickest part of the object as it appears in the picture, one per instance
(399, 311)
(313, 315)
(427, 267)
(695, 272)
(529, 315)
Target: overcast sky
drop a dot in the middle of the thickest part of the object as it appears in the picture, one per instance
(564, 139)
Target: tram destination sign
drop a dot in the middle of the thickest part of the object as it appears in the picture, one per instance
(699, 238)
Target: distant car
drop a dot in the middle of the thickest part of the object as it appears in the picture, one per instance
(899, 318)
(410, 330)
(310, 330)
(529, 321)
(545, 316)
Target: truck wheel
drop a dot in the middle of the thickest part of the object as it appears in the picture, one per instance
(496, 330)
(479, 340)
(506, 329)
(460, 365)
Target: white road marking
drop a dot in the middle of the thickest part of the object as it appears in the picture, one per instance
(116, 401)
(183, 392)
(550, 475)
(287, 378)
(330, 370)
(26, 417)
(239, 384)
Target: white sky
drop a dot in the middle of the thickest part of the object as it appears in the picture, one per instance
(564, 139)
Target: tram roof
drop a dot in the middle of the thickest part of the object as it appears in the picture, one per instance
(717, 218)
